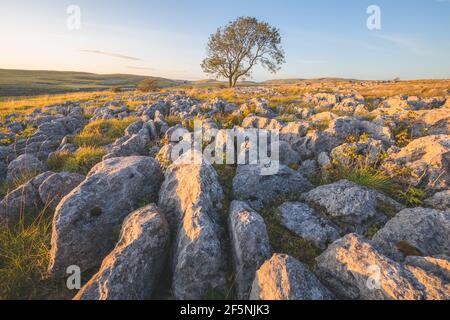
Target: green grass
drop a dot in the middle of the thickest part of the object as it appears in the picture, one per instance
(100, 133)
(28, 83)
(81, 161)
(24, 258)
(8, 186)
(285, 241)
(366, 177)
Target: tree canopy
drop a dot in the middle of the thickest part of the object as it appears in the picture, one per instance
(235, 50)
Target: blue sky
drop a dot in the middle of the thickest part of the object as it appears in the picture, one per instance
(168, 38)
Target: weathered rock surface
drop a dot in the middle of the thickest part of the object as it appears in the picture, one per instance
(24, 165)
(428, 162)
(284, 278)
(415, 231)
(439, 201)
(23, 201)
(351, 206)
(58, 185)
(259, 190)
(250, 245)
(433, 274)
(86, 220)
(191, 197)
(303, 221)
(353, 269)
(132, 270)
(187, 186)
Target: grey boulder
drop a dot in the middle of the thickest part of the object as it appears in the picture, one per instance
(417, 231)
(261, 190)
(87, 220)
(303, 221)
(191, 197)
(58, 185)
(132, 270)
(351, 206)
(285, 278)
(23, 201)
(250, 245)
(24, 165)
(353, 269)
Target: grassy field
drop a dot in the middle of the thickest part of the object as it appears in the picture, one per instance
(28, 83)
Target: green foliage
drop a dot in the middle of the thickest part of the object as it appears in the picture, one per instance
(172, 120)
(366, 177)
(320, 125)
(233, 51)
(100, 133)
(148, 85)
(402, 134)
(285, 241)
(412, 197)
(24, 258)
(81, 161)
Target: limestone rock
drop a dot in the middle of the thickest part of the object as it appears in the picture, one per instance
(284, 278)
(249, 244)
(353, 269)
(302, 220)
(132, 270)
(350, 206)
(415, 231)
(250, 185)
(87, 219)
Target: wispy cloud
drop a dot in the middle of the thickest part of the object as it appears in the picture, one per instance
(111, 54)
(140, 68)
(406, 43)
(306, 61)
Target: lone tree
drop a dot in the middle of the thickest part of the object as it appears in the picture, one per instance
(148, 85)
(233, 51)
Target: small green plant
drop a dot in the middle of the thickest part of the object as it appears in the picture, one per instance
(27, 132)
(412, 197)
(172, 120)
(369, 178)
(402, 134)
(320, 125)
(286, 118)
(285, 241)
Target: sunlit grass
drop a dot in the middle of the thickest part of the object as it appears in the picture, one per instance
(101, 132)
(81, 161)
(24, 257)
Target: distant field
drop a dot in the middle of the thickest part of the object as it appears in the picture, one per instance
(31, 83)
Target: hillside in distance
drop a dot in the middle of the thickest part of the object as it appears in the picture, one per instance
(27, 82)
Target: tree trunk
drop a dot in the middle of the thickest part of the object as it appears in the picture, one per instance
(235, 81)
(230, 82)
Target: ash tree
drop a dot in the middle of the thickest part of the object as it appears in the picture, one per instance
(233, 51)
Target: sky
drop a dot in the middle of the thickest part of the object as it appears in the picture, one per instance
(167, 38)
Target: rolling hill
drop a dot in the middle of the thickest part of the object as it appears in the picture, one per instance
(27, 83)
